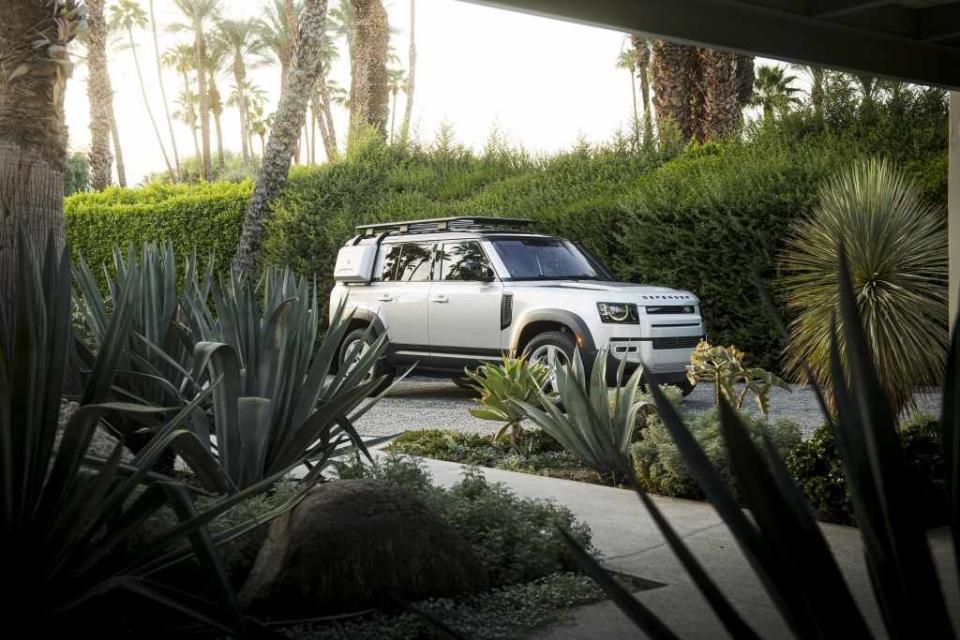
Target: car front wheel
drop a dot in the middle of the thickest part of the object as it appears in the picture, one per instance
(551, 349)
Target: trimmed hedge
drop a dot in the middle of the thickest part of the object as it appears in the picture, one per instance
(204, 217)
(711, 220)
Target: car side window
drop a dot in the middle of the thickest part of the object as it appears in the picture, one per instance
(416, 262)
(391, 259)
(463, 261)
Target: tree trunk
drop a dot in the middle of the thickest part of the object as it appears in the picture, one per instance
(117, 151)
(288, 121)
(240, 77)
(200, 54)
(370, 48)
(216, 108)
(32, 138)
(674, 71)
(636, 113)
(393, 113)
(642, 49)
(146, 103)
(99, 94)
(326, 109)
(411, 76)
(163, 93)
(721, 109)
(745, 78)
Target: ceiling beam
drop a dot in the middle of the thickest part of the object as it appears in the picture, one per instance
(839, 8)
(752, 29)
(938, 23)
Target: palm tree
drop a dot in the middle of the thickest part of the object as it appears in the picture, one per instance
(128, 15)
(628, 60)
(396, 79)
(33, 47)
(201, 15)
(721, 110)
(217, 54)
(242, 40)
(180, 58)
(323, 99)
(773, 91)
(641, 50)
(163, 88)
(369, 52)
(274, 32)
(411, 75)
(674, 72)
(100, 94)
(188, 104)
(288, 120)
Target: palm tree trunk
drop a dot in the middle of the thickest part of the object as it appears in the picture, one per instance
(673, 71)
(370, 48)
(33, 141)
(221, 160)
(636, 113)
(163, 93)
(290, 114)
(100, 94)
(146, 103)
(330, 140)
(313, 129)
(393, 113)
(411, 76)
(200, 54)
(240, 77)
(117, 151)
(721, 108)
(642, 49)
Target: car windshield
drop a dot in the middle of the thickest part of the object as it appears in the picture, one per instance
(544, 259)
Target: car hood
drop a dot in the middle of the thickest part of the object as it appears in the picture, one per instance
(642, 291)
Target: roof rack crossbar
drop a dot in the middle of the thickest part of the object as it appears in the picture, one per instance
(436, 225)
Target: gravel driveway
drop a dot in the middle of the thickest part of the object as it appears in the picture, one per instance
(436, 403)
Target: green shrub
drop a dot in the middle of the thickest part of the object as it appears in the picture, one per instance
(201, 217)
(660, 468)
(518, 539)
(815, 465)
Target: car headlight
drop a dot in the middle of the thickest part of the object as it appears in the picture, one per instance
(618, 312)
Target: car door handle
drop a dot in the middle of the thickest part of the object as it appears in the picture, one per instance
(439, 298)
(385, 297)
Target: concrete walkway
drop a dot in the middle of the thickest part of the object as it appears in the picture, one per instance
(630, 543)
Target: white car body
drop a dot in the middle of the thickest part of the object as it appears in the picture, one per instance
(445, 325)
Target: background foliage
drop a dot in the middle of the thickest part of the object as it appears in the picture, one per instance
(705, 218)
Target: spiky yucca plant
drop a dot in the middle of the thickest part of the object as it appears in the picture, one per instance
(897, 251)
(499, 384)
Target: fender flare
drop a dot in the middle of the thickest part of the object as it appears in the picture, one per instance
(572, 321)
(369, 317)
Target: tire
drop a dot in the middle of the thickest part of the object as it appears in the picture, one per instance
(542, 344)
(380, 368)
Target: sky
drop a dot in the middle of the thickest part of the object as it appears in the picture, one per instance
(543, 84)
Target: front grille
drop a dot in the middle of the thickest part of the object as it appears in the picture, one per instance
(670, 309)
(679, 342)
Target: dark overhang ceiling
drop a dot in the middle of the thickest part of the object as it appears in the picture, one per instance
(912, 40)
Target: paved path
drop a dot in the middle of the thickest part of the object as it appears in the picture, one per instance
(436, 403)
(631, 543)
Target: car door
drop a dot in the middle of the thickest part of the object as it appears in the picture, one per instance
(401, 293)
(464, 315)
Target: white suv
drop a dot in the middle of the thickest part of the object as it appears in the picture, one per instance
(453, 293)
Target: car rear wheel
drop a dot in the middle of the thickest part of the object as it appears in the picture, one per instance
(357, 343)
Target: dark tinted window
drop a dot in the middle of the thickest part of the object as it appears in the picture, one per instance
(416, 261)
(391, 259)
(462, 261)
(543, 259)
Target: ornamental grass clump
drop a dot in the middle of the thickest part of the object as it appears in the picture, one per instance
(896, 246)
(498, 384)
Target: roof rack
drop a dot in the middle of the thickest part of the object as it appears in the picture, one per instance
(436, 225)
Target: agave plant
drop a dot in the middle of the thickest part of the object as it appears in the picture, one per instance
(723, 366)
(782, 540)
(897, 248)
(282, 400)
(67, 519)
(591, 423)
(501, 385)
